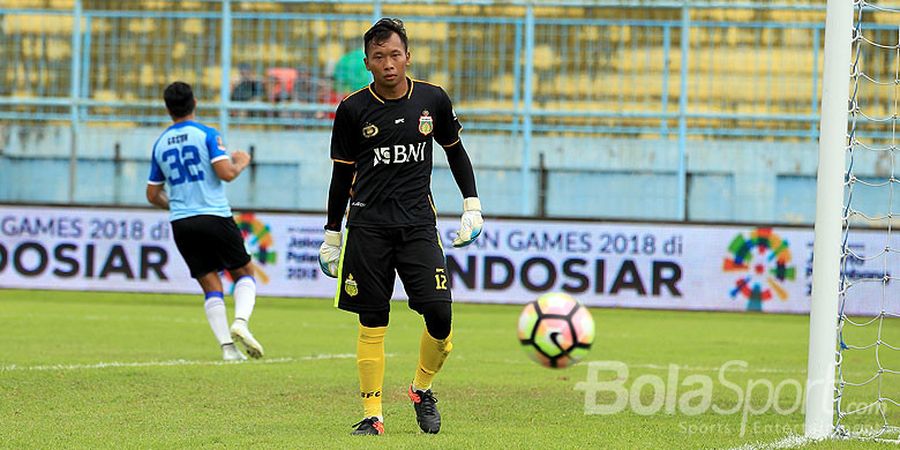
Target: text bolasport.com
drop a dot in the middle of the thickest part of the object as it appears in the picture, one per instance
(609, 390)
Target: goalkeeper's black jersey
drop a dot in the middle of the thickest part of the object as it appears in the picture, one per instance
(390, 144)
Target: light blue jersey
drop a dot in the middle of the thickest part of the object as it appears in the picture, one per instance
(183, 157)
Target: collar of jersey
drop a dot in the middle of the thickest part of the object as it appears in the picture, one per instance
(182, 124)
(383, 100)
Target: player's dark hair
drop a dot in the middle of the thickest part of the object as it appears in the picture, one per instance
(382, 31)
(179, 99)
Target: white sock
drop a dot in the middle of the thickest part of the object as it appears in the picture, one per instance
(244, 298)
(218, 320)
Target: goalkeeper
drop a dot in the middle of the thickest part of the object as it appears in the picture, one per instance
(381, 145)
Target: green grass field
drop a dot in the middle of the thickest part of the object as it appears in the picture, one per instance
(115, 370)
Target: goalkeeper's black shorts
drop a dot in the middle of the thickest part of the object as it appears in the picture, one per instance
(209, 244)
(371, 257)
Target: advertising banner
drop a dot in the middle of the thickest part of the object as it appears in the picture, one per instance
(660, 266)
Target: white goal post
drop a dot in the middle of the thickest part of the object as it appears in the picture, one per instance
(828, 227)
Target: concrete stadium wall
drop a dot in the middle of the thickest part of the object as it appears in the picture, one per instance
(729, 181)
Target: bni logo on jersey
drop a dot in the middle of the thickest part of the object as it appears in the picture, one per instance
(259, 243)
(762, 263)
(399, 154)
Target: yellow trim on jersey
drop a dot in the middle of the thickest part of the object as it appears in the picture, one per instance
(428, 82)
(340, 274)
(433, 208)
(354, 93)
(441, 243)
(436, 229)
(374, 94)
(342, 161)
(454, 142)
(408, 93)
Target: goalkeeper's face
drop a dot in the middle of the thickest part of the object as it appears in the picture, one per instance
(388, 61)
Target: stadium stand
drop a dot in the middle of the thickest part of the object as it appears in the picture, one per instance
(741, 61)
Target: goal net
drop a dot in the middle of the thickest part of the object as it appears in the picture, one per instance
(867, 385)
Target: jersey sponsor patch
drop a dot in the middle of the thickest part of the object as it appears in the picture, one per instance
(400, 154)
(426, 123)
(219, 143)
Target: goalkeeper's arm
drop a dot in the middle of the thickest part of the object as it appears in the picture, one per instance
(339, 194)
(461, 167)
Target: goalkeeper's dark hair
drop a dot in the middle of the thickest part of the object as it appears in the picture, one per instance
(179, 99)
(382, 31)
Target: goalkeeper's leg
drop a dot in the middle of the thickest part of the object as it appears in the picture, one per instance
(434, 347)
(370, 363)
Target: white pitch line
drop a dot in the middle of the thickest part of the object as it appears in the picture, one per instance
(170, 363)
(749, 369)
(792, 441)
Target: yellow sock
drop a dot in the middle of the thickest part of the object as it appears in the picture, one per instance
(432, 354)
(370, 362)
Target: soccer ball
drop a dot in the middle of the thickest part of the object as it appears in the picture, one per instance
(555, 330)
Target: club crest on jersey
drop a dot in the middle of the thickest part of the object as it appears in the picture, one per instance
(426, 123)
(350, 286)
(369, 130)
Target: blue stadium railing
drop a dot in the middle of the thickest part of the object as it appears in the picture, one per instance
(534, 68)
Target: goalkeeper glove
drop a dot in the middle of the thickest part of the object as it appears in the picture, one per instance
(471, 223)
(330, 253)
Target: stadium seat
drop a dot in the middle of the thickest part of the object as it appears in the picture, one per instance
(104, 95)
(577, 87)
(25, 3)
(442, 79)
(36, 24)
(319, 28)
(153, 4)
(545, 57)
(503, 85)
(58, 49)
(179, 50)
(739, 15)
(427, 31)
(352, 29)
(421, 54)
(212, 77)
(588, 34)
(101, 25)
(62, 4)
(147, 76)
(620, 33)
(330, 52)
(193, 26)
(140, 26)
(500, 105)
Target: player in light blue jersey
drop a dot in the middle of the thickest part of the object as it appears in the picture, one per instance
(190, 159)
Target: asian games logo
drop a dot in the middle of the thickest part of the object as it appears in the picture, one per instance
(259, 243)
(762, 263)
